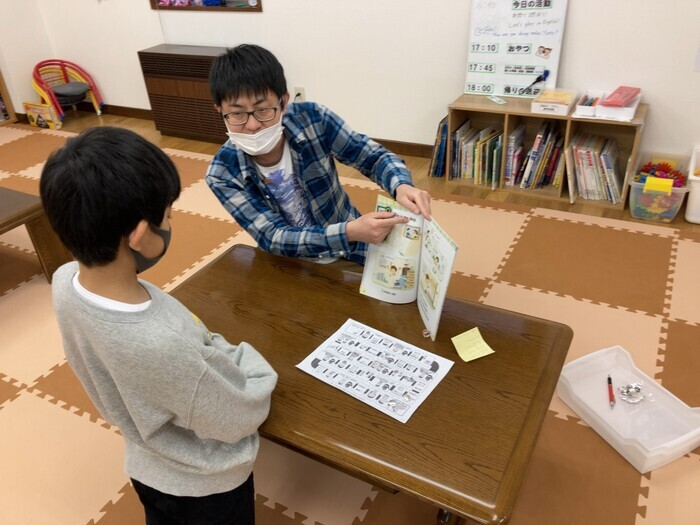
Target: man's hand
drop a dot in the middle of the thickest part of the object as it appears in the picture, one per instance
(372, 227)
(417, 201)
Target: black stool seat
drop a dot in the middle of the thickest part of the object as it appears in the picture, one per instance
(70, 93)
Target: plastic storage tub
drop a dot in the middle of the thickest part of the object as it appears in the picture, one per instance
(692, 208)
(653, 205)
(648, 434)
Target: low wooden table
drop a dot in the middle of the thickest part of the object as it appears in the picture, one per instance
(17, 208)
(465, 449)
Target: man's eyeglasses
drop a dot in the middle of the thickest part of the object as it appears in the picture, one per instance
(238, 118)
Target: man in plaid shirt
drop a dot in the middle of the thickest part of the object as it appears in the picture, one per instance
(276, 174)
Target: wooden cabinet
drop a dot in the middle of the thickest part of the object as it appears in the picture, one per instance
(177, 81)
(7, 113)
(482, 113)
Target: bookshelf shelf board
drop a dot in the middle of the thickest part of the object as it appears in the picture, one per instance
(5, 99)
(482, 113)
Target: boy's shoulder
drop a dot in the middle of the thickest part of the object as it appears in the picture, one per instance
(296, 110)
(63, 275)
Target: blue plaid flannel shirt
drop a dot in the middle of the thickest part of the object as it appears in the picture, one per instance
(316, 137)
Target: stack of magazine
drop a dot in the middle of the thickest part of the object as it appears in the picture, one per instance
(595, 168)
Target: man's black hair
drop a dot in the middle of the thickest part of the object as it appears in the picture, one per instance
(247, 70)
(100, 185)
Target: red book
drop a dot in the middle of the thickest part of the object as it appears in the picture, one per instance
(621, 97)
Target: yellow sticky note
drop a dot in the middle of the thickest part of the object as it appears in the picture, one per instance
(470, 345)
(658, 185)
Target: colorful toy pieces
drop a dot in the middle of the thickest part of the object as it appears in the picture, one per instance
(662, 170)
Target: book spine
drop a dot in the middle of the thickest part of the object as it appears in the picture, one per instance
(509, 163)
(524, 159)
(496, 173)
(559, 170)
(591, 178)
(455, 156)
(439, 172)
(517, 164)
(551, 166)
(436, 150)
(533, 158)
(542, 162)
(578, 167)
(608, 164)
(571, 173)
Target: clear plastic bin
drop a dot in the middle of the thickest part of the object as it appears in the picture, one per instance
(692, 208)
(648, 434)
(653, 205)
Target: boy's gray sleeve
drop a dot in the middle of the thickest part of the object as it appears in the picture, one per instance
(232, 398)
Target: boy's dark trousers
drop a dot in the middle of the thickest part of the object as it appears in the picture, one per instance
(236, 507)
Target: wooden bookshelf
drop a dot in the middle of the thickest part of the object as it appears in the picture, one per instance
(5, 100)
(482, 113)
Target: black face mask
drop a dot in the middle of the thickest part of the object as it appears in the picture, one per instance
(143, 263)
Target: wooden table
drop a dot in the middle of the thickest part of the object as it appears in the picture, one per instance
(466, 448)
(17, 208)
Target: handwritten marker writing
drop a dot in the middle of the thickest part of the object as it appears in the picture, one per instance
(611, 394)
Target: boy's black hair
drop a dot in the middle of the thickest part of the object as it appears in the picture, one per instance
(247, 70)
(100, 185)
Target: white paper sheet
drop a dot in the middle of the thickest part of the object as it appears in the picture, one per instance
(384, 372)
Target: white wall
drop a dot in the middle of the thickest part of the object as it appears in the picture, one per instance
(23, 42)
(389, 67)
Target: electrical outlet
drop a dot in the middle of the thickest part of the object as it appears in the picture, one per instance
(299, 94)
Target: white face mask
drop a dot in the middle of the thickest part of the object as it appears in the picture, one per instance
(262, 142)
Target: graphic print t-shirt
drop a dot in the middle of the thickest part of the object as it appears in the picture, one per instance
(285, 188)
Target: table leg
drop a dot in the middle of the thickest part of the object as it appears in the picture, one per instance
(48, 246)
(445, 517)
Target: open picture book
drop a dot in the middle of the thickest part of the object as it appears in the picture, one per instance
(413, 263)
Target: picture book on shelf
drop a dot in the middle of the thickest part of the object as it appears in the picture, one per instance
(570, 174)
(515, 141)
(438, 160)
(413, 263)
(543, 166)
(457, 137)
(466, 148)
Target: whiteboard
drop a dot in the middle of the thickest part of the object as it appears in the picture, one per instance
(511, 43)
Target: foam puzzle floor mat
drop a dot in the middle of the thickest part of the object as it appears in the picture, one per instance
(614, 282)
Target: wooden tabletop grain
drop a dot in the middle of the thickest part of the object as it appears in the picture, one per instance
(17, 208)
(466, 448)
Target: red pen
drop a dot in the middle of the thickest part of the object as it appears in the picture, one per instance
(611, 394)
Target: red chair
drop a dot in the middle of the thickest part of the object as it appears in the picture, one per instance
(61, 83)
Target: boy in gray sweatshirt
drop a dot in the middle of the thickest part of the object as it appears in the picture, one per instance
(187, 402)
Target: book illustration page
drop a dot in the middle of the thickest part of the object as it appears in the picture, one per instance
(395, 273)
(391, 266)
(437, 257)
(386, 373)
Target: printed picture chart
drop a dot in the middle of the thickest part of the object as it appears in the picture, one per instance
(511, 43)
(384, 372)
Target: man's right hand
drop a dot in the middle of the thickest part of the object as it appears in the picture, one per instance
(373, 227)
